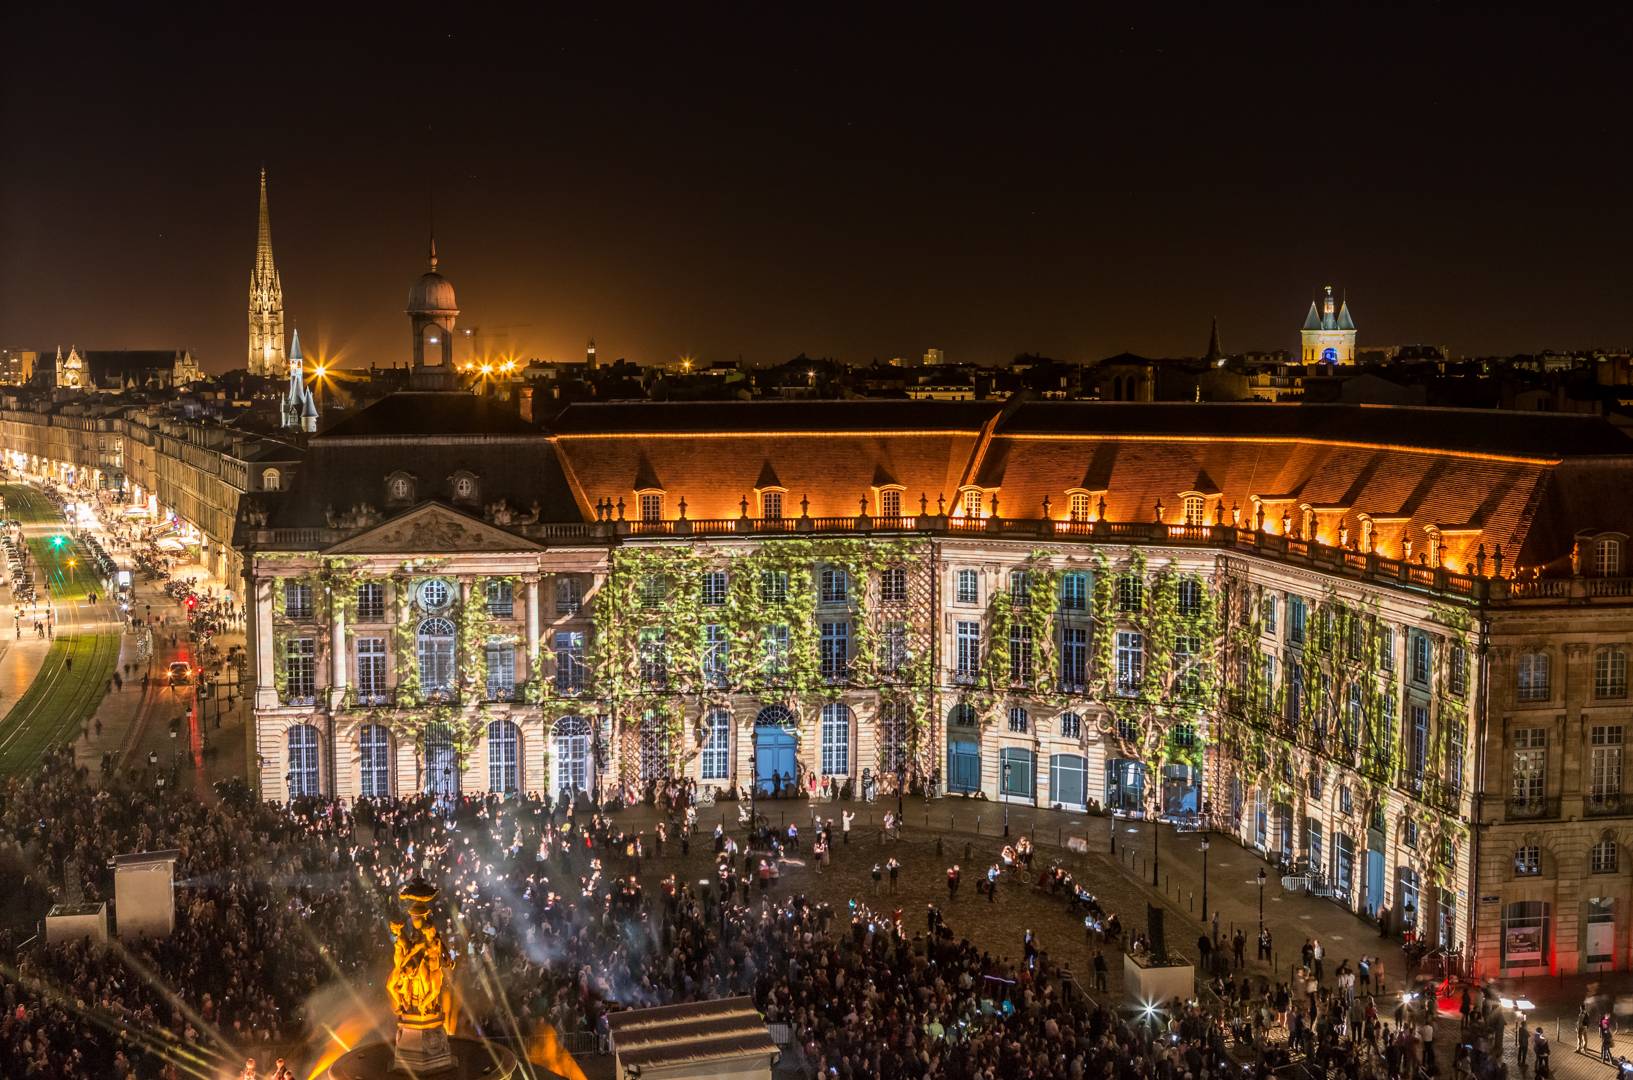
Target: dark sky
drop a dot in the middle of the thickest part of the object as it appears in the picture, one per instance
(757, 184)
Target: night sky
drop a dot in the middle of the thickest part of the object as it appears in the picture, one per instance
(759, 185)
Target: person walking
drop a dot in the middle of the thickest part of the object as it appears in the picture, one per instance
(953, 876)
(895, 868)
(1584, 1020)
(845, 819)
(1607, 1038)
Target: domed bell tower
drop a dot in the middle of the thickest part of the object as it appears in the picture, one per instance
(432, 312)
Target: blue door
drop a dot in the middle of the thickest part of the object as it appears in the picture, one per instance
(1375, 879)
(773, 756)
(963, 766)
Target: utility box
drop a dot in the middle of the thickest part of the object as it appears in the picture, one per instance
(66, 922)
(144, 893)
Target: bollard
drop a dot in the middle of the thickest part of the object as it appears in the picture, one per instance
(977, 824)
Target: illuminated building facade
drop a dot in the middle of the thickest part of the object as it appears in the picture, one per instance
(1384, 642)
(1328, 336)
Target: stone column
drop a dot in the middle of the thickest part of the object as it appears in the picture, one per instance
(266, 689)
(337, 652)
(532, 625)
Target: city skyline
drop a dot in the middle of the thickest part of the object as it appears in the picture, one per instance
(827, 195)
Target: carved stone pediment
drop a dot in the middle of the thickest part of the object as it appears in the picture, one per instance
(431, 529)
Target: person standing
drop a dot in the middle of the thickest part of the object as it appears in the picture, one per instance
(953, 876)
(1099, 971)
(1607, 1038)
(845, 819)
(895, 868)
(1583, 1020)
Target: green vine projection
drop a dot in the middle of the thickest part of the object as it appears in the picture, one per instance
(680, 628)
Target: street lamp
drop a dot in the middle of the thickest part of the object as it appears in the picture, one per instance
(1005, 794)
(1261, 899)
(901, 782)
(753, 782)
(1204, 879)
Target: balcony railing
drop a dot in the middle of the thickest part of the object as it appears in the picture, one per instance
(1609, 805)
(513, 694)
(1533, 809)
(370, 699)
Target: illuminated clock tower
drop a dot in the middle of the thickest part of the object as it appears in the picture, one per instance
(1328, 338)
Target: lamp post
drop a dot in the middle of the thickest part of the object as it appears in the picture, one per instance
(1156, 838)
(901, 782)
(1204, 879)
(1005, 794)
(1261, 899)
(753, 781)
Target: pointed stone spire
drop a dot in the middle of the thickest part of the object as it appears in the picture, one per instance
(1215, 353)
(266, 301)
(263, 236)
(433, 250)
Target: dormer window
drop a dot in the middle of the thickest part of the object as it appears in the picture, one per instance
(399, 488)
(1607, 557)
(890, 502)
(1196, 510)
(1077, 506)
(464, 487)
(272, 480)
(972, 503)
(771, 504)
(651, 503)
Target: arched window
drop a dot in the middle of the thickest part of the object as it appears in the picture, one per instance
(441, 762)
(570, 753)
(436, 652)
(1196, 509)
(504, 758)
(654, 748)
(836, 740)
(1603, 858)
(1018, 720)
(972, 503)
(962, 716)
(1531, 682)
(1071, 726)
(303, 761)
(272, 480)
(715, 763)
(892, 730)
(1078, 506)
(1607, 557)
(374, 761)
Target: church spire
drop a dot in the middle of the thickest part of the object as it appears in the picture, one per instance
(266, 300)
(1215, 352)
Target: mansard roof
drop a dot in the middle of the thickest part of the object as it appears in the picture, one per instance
(416, 414)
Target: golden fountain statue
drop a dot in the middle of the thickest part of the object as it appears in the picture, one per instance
(419, 991)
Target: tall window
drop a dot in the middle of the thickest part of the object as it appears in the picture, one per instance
(272, 480)
(890, 503)
(1387, 743)
(501, 670)
(892, 724)
(569, 595)
(1422, 651)
(1605, 765)
(967, 653)
(1079, 506)
(504, 758)
(374, 753)
(300, 671)
(1130, 592)
(972, 503)
(1130, 662)
(1074, 658)
(1419, 759)
(1190, 595)
(836, 650)
(1531, 680)
(893, 584)
(653, 657)
(1610, 673)
(1020, 652)
(1456, 734)
(716, 655)
(1607, 557)
(569, 649)
(1527, 860)
(1187, 648)
(1267, 613)
(776, 650)
(570, 754)
(1457, 678)
(715, 760)
(297, 600)
(435, 642)
(836, 740)
(501, 598)
(654, 590)
(714, 588)
(1529, 774)
(1196, 508)
(1074, 591)
(303, 761)
(1020, 588)
(773, 586)
(371, 670)
(1352, 720)
(1297, 614)
(1019, 722)
(1071, 726)
(968, 589)
(771, 505)
(836, 585)
(893, 654)
(1386, 648)
(652, 507)
(1603, 859)
(371, 602)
